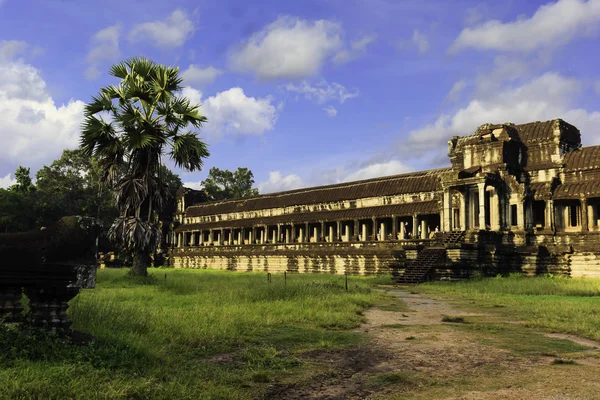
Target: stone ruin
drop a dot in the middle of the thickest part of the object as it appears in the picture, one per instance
(515, 198)
(49, 266)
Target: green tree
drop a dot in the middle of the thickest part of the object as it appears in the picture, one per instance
(24, 184)
(224, 184)
(16, 214)
(127, 128)
(72, 185)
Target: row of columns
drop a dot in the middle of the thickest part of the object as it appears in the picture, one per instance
(310, 232)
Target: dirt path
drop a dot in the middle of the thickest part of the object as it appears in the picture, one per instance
(413, 354)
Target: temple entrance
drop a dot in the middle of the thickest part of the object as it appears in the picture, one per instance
(539, 214)
(428, 225)
(384, 229)
(405, 228)
(365, 230)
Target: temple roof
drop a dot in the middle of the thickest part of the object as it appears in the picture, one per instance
(416, 182)
(529, 133)
(586, 158)
(400, 210)
(577, 190)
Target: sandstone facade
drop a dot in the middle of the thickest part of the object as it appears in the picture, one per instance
(515, 198)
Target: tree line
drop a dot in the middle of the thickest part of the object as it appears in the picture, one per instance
(117, 174)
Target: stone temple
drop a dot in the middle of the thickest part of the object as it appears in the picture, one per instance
(515, 198)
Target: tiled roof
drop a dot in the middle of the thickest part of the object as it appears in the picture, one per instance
(583, 159)
(406, 209)
(577, 190)
(387, 186)
(541, 191)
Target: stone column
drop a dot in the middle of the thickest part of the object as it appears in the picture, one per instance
(210, 237)
(301, 234)
(276, 235)
(447, 212)
(240, 237)
(347, 232)
(481, 193)
(382, 233)
(338, 232)
(463, 210)
(520, 215)
(251, 235)
(330, 233)
(221, 237)
(374, 225)
(179, 240)
(415, 231)
(293, 228)
(394, 228)
(495, 211)
(363, 236)
(315, 234)
(402, 230)
(322, 232)
(584, 215)
(355, 231)
(201, 238)
(424, 227)
(307, 239)
(287, 234)
(549, 215)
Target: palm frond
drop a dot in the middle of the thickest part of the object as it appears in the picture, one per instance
(188, 151)
(135, 234)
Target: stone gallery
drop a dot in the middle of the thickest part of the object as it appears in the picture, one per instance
(515, 198)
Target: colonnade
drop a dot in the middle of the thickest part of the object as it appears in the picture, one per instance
(358, 230)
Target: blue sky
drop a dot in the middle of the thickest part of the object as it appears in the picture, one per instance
(305, 92)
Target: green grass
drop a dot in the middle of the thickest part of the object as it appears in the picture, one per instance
(549, 303)
(195, 334)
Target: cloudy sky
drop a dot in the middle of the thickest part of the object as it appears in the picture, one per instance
(305, 92)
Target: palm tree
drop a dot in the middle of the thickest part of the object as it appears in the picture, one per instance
(128, 128)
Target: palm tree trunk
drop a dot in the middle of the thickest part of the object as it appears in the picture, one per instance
(141, 260)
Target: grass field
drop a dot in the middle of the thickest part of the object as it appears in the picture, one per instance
(197, 334)
(189, 335)
(559, 304)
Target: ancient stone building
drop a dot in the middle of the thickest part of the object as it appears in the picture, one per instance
(515, 198)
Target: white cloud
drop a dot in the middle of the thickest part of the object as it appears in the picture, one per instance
(357, 49)
(6, 181)
(10, 49)
(322, 92)
(172, 32)
(288, 48)
(546, 97)
(552, 25)
(331, 111)
(418, 41)
(232, 112)
(456, 90)
(193, 185)
(392, 167)
(195, 75)
(104, 47)
(278, 183)
(473, 15)
(34, 129)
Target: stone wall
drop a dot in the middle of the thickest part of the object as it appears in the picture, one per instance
(336, 258)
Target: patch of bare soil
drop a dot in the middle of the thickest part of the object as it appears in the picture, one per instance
(414, 355)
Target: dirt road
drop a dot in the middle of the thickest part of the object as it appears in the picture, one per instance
(413, 354)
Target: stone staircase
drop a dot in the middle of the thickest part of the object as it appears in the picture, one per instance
(418, 270)
(454, 237)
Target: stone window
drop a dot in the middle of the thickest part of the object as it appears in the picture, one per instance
(513, 214)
